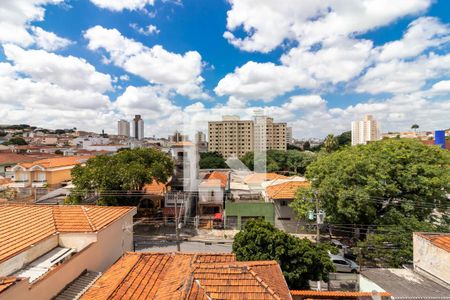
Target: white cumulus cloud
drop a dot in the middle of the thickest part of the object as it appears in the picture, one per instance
(119, 5)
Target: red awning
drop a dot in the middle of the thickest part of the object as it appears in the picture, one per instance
(218, 216)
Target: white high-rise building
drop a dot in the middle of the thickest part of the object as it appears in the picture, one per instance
(365, 130)
(123, 128)
(138, 127)
(289, 138)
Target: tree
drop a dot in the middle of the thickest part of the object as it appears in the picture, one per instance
(299, 259)
(16, 141)
(298, 161)
(212, 160)
(306, 146)
(116, 179)
(330, 143)
(360, 185)
(344, 139)
(415, 127)
(392, 246)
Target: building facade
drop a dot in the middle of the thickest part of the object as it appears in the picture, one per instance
(233, 137)
(138, 127)
(366, 130)
(123, 128)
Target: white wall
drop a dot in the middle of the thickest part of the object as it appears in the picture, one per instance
(206, 196)
(112, 242)
(76, 240)
(431, 259)
(366, 285)
(22, 259)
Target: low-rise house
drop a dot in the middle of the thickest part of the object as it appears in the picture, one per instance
(237, 213)
(50, 172)
(212, 191)
(43, 248)
(336, 295)
(189, 276)
(432, 255)
(429, 279)
(281, 193)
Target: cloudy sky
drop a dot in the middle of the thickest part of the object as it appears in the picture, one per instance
(314, 64)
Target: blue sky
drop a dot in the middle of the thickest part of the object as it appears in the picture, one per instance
(314, 64)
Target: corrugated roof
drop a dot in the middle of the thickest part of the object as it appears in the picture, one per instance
(441, 240)
(189, 276)
(22, 226)
(285, 190)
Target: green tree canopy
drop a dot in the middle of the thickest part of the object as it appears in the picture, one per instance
(16, 141)
(121, 174)
(212, 160)
(330, 143)
(361, 184)
(344, 139)
(299, 259)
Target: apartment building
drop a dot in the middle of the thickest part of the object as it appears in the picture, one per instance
(123, 128)
(138, 127)
(233, 137)
(366, 130)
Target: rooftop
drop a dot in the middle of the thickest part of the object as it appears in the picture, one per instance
(406, 284)
(257, 178)
(189, 276)
(337, 294)
(285, 190)
(55, 162)
(215, 178)
(155, 188)
(22, 226)
(14, 158)
(441, 240)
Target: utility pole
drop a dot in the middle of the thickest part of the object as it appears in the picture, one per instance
(177, 224)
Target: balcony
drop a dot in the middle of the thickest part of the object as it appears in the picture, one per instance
(39, 183)
(20, 183)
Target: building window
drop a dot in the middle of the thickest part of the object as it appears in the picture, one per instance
(284, 219)
(283, 203)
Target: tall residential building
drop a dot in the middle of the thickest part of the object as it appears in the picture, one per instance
(289, 138)
(200, 137)
(233, 137)
(178, 137)
(365, 130)
(123, 128)
(138, 127)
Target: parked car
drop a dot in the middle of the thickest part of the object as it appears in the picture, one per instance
(343, 264)
(344, 250)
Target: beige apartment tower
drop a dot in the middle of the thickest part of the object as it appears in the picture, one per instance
(233, 137)
(366, 130)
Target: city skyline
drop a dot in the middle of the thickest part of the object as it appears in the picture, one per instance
(181, 63)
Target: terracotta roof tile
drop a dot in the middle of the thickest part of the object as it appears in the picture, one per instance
(189, 276)
(21, 226)
(155, 188)
(55, 162)
(441, 240)
(343, 294)
(286, 190)
(219, 177)
(183, 144)
(257, 178)
(14, 158)
(6, 282)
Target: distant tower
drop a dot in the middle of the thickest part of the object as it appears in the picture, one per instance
(138, 127)
(123, 128)
(366, 130)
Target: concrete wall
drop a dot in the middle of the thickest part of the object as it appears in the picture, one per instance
(431, 259)
(77, 240)
(284, 212)
(22, 259)
(210, 195)
(249, 209)
(111, 243)
(56, 177)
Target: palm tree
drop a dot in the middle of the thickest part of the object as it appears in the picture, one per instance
(330, 143)
(415, 127)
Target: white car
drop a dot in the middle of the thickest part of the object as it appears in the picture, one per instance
(343, 264)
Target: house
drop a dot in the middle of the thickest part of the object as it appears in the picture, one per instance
(44, 248)
(281, 193)
(432, 255)
(189, 276)
(336, 295)
(10, 159)
(238, 212)
(212, 191)
(50, 172)
(429, 278)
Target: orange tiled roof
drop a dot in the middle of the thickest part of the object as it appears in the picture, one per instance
(285, 190)
(22, 226)
(55, 162)
(214, 178)
(14, 158)
(441, 240)
(343, 294)
(155, 188)
(6, 282)
(261, 177)
(189, 276)
(183, 144)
